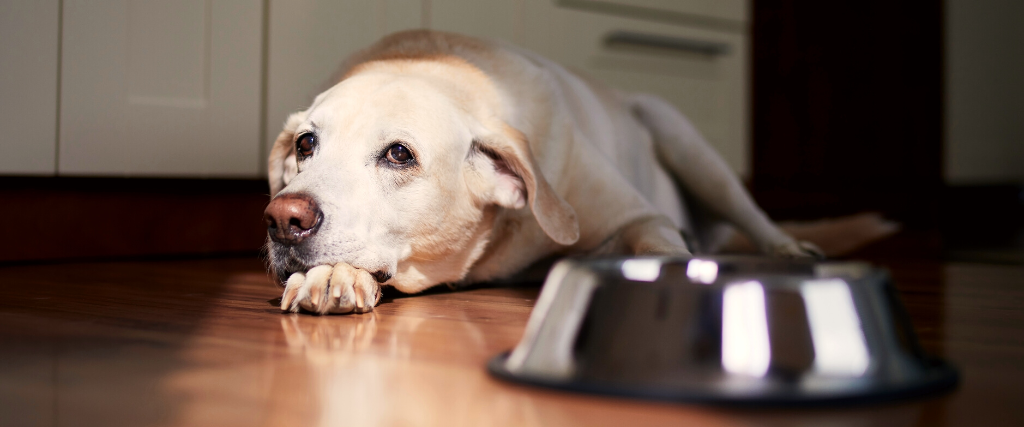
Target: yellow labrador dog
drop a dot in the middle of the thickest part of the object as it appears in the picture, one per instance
(438, 158)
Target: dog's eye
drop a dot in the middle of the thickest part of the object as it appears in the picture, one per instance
(398, 154)
(305, 144)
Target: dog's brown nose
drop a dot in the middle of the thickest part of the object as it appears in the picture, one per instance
(290, 218)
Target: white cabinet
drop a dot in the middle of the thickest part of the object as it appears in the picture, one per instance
(699, 66)
(714, 12)
(494, 19)
(28, 86)
(308, 39)
(693, 53)
(200, 88)
(160, 88)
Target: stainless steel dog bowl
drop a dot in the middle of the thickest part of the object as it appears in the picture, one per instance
(737, 330)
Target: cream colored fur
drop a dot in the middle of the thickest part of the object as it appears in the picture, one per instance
(517, 160)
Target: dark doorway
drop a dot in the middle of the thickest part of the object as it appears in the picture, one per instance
(847, 109)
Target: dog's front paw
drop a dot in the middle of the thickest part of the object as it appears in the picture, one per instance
(797, 249)
(338, 288)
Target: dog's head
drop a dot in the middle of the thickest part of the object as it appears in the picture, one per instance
(402, 162)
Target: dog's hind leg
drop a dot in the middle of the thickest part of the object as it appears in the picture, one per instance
(705, 175)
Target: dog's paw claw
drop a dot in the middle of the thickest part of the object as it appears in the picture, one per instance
(338, 289)
(797, 249)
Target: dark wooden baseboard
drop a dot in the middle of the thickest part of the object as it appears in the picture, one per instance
(48, 219)
(95, 218)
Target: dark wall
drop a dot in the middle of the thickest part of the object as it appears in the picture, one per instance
(847, 108)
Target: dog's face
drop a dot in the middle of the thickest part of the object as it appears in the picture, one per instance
(401, 168)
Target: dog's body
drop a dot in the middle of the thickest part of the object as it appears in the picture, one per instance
(439, 158)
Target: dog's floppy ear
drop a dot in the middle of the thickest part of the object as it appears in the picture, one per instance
(519, 182)
(282, 165)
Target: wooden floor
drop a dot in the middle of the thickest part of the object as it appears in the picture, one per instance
(194, 343)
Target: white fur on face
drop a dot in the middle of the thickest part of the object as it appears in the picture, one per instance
(378, 216)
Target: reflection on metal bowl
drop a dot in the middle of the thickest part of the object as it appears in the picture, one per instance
(736, 330)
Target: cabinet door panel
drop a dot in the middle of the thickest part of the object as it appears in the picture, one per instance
(727, 12)
(157, 88)
(309, 39)
(702, 72)
(28, 86)
(491, 19)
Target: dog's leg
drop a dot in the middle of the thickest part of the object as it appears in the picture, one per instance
(653, 235)
(706, 176)
(338, 288)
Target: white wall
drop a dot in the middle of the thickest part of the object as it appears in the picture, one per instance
(984, 91)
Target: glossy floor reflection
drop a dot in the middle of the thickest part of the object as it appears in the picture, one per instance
(196, 343)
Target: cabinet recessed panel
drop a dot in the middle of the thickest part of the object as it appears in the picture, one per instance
(28, 86)
(486, 19)
(722, 13)
(701, 71)
(308, 40)
(154, 88)
(168, 53)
